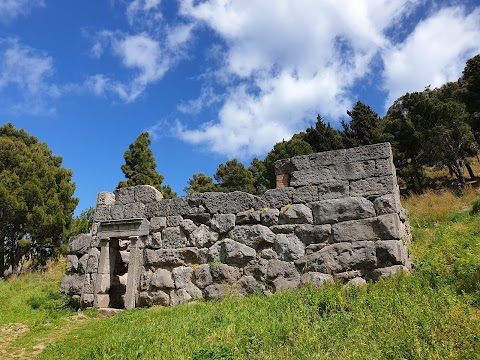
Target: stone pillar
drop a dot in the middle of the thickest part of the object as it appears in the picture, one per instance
(134, 271)
(105, 268)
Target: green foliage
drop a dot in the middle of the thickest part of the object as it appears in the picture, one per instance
(323, 137)
(36, 199)
(140, 167)
(471, 77)
(52, 301)
(219, 353)
(234, 176)
(475, 207)
(200, 183)
(81, 224)
(447, 254)
(429, 128)
(258, 169)
(168, 192)
(363, 128)
(33, 298)
(282, 150)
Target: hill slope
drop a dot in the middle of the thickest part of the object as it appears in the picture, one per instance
(432, 313)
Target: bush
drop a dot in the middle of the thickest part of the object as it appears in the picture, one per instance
(475, 207)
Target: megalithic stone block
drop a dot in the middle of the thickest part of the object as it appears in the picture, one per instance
(383, 227)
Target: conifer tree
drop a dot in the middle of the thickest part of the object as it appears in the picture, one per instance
(363, 126)
(200, 183)
(234, 176)
(323, 137)
(140, 167)
(36, 200)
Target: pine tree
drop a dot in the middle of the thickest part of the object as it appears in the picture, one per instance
(200, 183)
(363, 126)
(323, 137)
(36, 200)
(234, 176)
(140, 167)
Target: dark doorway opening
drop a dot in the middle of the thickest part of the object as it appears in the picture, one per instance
(120, 253)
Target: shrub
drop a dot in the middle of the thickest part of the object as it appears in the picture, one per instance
(475, 207)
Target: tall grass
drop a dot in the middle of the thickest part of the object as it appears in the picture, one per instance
(401, 318)
(33, 297)
(438, 206)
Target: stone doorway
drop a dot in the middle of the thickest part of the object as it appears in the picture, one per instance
(120, 250)
(121, 255)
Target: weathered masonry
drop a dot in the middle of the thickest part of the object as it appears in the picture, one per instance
(336, 215)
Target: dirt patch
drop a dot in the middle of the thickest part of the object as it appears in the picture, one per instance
(10, 333)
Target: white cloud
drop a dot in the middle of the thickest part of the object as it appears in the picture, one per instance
(97, 50)
(144, 13)
(207, 98)
(24, 67)
(26, 72)
(147, 53)
(287, 61)
(97, 84)
(434, 53)
(179, 35)
(139, 53)
(11, 9)
(142, 53)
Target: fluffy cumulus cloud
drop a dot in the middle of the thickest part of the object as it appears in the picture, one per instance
(288, 61)
(11, 9)
(147, 51)
(284, 63)
(273, 67)
(434, 53)
(26, 71)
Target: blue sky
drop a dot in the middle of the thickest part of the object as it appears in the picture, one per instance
(212, 80)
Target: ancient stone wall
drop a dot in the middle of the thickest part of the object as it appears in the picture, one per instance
(337, 215)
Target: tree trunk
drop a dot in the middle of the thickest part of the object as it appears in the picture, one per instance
(458, 167)
(450, 170)
(470, 171)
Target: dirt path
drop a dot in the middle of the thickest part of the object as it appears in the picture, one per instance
(13, 332)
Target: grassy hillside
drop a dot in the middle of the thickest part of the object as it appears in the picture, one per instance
(433, 313)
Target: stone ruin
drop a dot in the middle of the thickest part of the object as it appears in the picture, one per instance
(335, 215)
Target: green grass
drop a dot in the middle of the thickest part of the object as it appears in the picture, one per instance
(33, 297)
(402, 317)
(431, 314)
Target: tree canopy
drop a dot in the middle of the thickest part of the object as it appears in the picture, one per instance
(36, 199)
(200, 183)
(323, 136)
(81, 224)
(234, 176)
(140, 167)
(363, 126)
